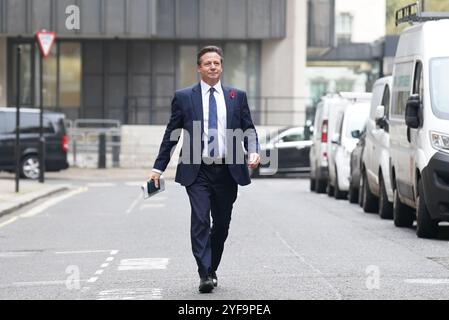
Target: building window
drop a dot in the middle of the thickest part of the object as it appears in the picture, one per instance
(344, 85)
(70, 74)
(26, 75)
(318, 88)
(188, 75)
(344, 27)
(50, 77)
(235, 65)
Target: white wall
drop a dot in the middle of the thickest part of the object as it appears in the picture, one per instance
(3, 72)
(283, 67)
(369, 18)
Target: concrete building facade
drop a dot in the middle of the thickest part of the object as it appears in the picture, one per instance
(128, 56)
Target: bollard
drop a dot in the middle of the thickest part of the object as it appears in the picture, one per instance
(102, 151)
(116, 151)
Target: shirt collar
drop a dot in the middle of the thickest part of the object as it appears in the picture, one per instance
(205, 87)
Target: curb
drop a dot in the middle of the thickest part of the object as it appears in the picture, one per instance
(33, 198)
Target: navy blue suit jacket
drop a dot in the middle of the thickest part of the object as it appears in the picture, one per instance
(187, 114)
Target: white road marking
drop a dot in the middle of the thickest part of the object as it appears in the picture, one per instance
(131, 294)
(8, 222)
(110, 259)
(114, 252)
(93, 279)
(143, 264)
(44, 206)
(151, 206)
(135, 202)
(427, 281)
(42, 283)
(296, 254)
(105, 265)
(101, 184)
(82, 252)
(15, 254)
(99, 272)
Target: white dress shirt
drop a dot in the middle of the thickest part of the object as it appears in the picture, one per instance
(221, 114)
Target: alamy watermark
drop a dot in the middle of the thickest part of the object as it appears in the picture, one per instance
(73, 19)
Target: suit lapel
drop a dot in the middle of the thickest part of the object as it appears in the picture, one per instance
(229, 107)
(197, 101)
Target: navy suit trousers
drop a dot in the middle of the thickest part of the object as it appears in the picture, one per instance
(212, 194)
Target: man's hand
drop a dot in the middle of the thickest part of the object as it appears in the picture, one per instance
(155, 177)
(254, 160)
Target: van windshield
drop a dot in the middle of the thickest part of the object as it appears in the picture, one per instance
(439, 93)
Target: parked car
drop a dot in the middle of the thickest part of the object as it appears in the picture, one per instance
(375, 184)
(419, 125)
(292, 145)
(56, 139)
(355, 169)
(324, 126)
(350, 124)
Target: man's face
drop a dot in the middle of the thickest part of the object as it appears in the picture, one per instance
(210, 68)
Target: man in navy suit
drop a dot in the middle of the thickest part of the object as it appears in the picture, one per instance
(219, 144)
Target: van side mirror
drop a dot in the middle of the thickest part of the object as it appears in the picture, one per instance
(380, 117)
(356, 134)
(412, 118)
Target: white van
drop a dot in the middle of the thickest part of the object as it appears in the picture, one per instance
(419, 123)
(324, 127)
(375, 185)
(350, 124)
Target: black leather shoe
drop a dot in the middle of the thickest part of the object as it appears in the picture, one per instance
(206, 285)
(213, 275)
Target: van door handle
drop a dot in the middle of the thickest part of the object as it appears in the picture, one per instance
(409, 139)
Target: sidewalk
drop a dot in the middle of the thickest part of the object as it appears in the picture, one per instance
(30, 191)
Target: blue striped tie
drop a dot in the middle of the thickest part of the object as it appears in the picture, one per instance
(213, 125)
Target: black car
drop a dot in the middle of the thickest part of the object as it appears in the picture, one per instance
(292, 145)
(355, 167)
(56, 140)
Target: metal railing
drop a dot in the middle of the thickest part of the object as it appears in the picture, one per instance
(93, 141)
(265, 110)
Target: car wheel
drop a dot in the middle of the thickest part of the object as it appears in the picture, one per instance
(29, 167)
(330, 189)
(353, 195)
(402, 214)
(361, 190)
(426, 227)
(339, 195)
(385, 206)
(320, 186)
(370, 202)
(312, 184)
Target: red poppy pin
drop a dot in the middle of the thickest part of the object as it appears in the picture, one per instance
(232, 94)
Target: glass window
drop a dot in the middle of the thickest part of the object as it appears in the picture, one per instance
(188, 74)
(401, 88)
(70, 74)
(293, 135)
(344, 27)
(26, 69)
(439, 69)
(235, 65)
(344, 85)
(50, 65)
(318, 88)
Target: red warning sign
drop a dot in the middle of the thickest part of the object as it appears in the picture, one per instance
(45, 39)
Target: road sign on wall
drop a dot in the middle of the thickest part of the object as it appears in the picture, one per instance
(45, 40)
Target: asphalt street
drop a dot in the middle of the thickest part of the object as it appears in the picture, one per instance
(101, 240)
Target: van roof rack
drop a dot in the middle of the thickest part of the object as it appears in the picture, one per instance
(412, 13)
